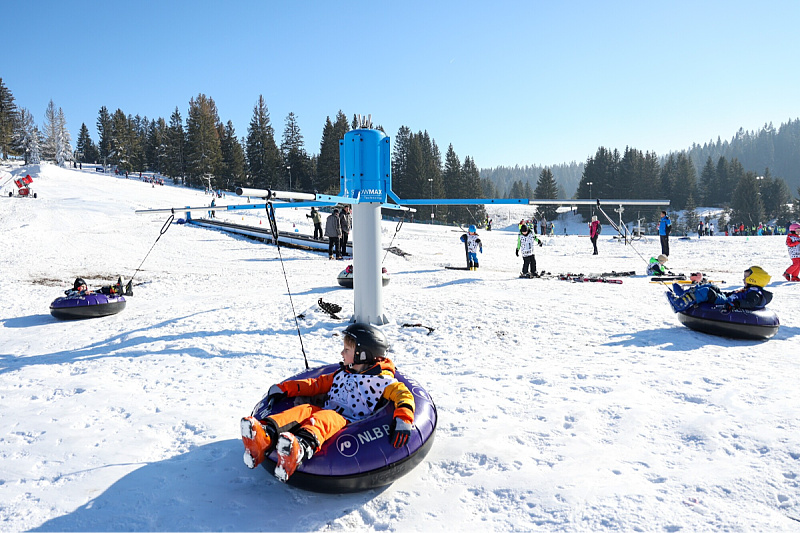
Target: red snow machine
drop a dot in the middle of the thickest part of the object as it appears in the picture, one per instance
(24, 187)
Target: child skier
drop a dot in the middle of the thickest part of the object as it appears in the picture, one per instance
(525, 241)
(793, 244)
(656, 266)
(751, 296)
(352, 393)
(474, 245)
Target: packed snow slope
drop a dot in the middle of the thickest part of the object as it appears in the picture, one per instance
(562, 406)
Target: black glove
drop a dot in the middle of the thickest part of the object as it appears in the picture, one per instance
(273, 396)
(540, 243)
(517, 252)
(400, 433)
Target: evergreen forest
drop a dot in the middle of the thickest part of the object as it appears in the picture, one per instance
(753, 176)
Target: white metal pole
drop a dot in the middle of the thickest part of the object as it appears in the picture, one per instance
(367, 277)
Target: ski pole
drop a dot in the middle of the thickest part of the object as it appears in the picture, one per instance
(163, 230)
(273, 224)
(396, 231)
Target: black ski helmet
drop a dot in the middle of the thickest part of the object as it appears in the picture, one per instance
(371, 342)
(78, 283)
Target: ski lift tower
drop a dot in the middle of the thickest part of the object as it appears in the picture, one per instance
(365, 176)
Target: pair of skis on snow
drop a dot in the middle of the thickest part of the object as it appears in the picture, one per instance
(577, 278)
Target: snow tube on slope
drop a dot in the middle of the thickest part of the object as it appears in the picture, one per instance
(758, 324)
(345, 277)
(86, 306)
(360, 457)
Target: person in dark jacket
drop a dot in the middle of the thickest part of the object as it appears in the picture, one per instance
(751, 296)
(316, 218)
(333, 231)
(346, 221)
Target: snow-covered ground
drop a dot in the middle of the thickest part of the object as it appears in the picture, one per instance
(562, 406)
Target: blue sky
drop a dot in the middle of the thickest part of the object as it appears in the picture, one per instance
(505, 83)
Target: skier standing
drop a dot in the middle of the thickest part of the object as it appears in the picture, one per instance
(594, 233)
(793, 244)
(664, 229)
(525, 242)
(474, 245)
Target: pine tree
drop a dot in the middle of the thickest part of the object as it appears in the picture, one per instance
(35, 147)
(668, 176)
(85, 147)
(453, 183)
(295, 159)
(774, 194)
(138, 128)
(203, 152)
(746, 202)
(232, 168)
(400, 162)
(328, 161)
(599, 171)
(692, 220)
(63, 140)
(709, 184)
(263, 158)
(50, 131)
(518, 190)
(26, 138)
(120, 142)
(685, 183)
(104, 131)
(527, 192)
(9, 121)
(723, 180)
(628, 175)
(648, 184)
(472, 179)
(176, 148)
(546, 189)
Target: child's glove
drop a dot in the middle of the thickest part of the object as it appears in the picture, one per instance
(517, 252)
(540, 243)
(273, 395)
(400, 433)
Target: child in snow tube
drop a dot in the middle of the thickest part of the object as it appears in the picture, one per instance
(751, 296)
(354, 392)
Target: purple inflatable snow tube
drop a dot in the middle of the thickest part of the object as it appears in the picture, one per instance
(86, 306)
(360, 456)
(759, 324)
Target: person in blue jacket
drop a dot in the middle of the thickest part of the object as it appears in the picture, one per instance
(664, 229)
(751, 296)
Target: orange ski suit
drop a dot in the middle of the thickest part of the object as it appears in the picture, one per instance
(350, 397)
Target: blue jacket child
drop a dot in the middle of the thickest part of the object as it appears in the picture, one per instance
(751, 296)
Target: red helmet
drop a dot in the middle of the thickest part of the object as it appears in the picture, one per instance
(794, 227)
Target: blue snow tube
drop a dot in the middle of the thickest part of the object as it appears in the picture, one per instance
(758, 324)
(86, 306)
(360, 456)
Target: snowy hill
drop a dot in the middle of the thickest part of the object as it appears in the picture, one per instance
(562, 406)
